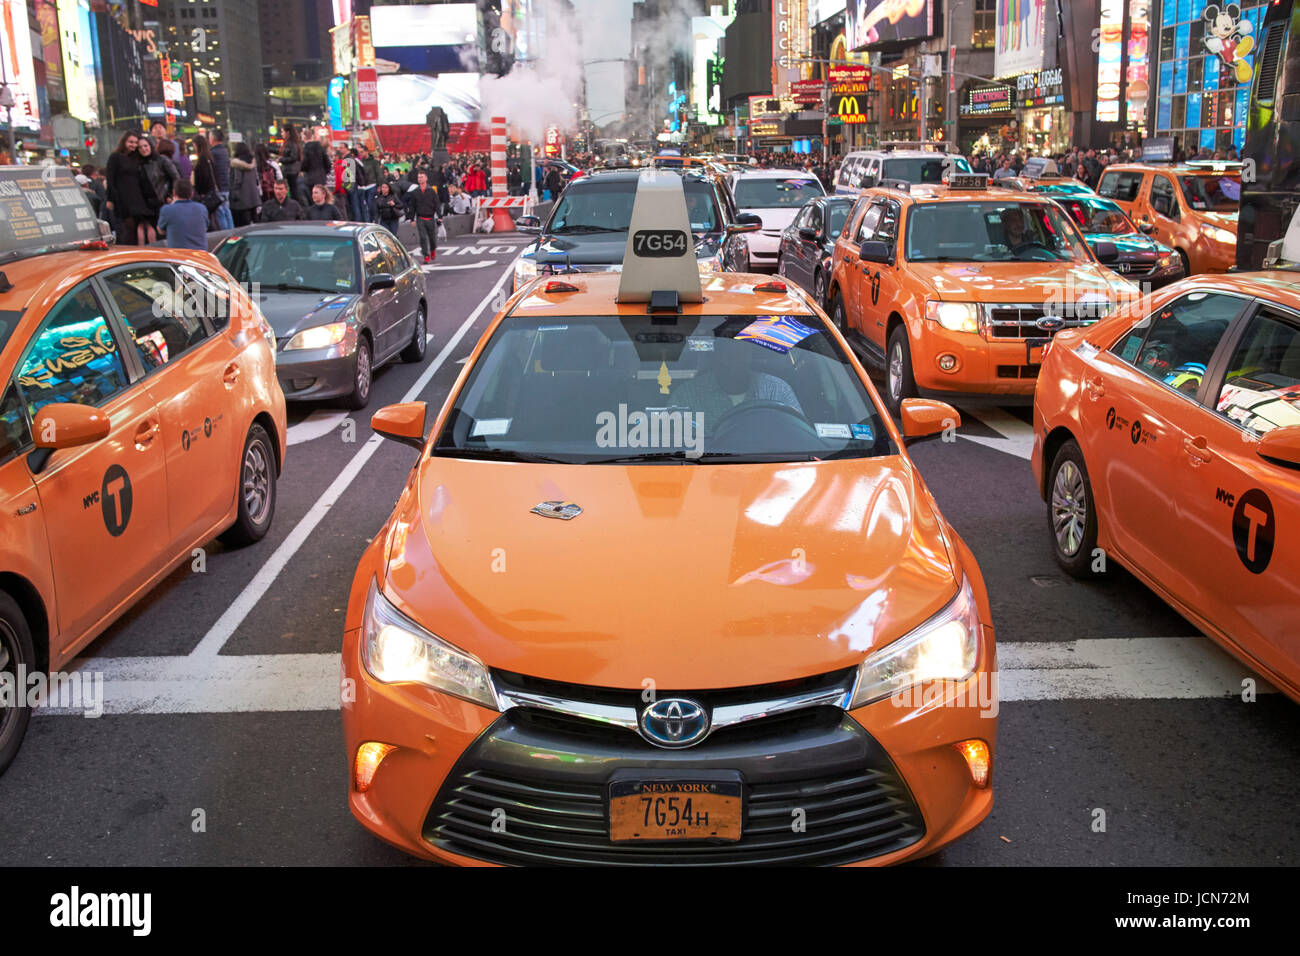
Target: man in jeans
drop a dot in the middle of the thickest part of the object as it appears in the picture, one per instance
(424, 210)
(374, 176)
(221, 167)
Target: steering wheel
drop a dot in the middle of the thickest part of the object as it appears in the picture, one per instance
(787, 420)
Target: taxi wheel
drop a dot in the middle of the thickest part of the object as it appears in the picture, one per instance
(256, 491)
(362, 376)
(1072, 512)
(15, 650)
(419, 339)
(837, 314)
(899, 382)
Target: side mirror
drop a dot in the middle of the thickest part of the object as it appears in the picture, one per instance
(869, 181)
(807, 233)
(745, 222)
(875, 251)
(381, 280)
(1106, 252)
(1147, 227)
(403, 422)
(1281, 446)
(67, 425)
(925, 418)
(528, 224)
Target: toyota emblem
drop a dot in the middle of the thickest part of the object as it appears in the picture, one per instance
(674, 722)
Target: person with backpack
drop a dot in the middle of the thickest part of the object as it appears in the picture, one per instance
(389, 206)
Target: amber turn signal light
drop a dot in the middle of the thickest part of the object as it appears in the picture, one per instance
(369, 756)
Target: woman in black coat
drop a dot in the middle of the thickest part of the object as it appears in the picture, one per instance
(126, 198)
(389, 206)
(291, 160)
(158, 176)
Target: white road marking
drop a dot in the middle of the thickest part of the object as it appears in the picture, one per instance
(468, 265)
(1017, 437)
(316, 425)
(226, 625)
(1161, 668)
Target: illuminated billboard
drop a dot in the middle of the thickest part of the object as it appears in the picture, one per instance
(1110, 53)
(870, 23)
(78, 60)
(425, 38)
(405, 99)
(16, 59)
(1018, 44)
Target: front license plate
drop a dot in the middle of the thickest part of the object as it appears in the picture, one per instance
(683, 809)
(1034, 351)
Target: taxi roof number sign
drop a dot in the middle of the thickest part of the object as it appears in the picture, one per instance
(42, 209)
(660, 251)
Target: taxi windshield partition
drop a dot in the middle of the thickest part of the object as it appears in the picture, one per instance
(292, 263)
(655, 389)
(595, 206)
(991, 231)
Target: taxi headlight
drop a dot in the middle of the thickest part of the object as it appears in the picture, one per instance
(320, 337)
(1217, 234)
(396, 650)
(525, 269)
(954, 316)
(946, 647)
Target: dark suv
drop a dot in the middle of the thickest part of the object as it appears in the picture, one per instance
(586, 230)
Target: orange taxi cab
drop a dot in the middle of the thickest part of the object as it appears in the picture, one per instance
(139, 418)
(665, 588)
(954, 290)
(1168, 437)
(1192, 208)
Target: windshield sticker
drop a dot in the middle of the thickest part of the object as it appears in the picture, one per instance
(699, 344)
(778, 333)
(832, 431)
(552, 328)
(862, 432)
(490, 426)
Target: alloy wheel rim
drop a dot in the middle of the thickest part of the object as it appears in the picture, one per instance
(257, 482)
(421, 330)
(8, 665)
(1069, 509)
(896, 372)
(363, 371)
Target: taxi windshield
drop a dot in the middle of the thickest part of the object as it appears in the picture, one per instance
(289, 262)
(639, 389)
(1098, 217)
(1212, 193)
(591, 206)
(765, 193)
(992, 232)
(922, 169)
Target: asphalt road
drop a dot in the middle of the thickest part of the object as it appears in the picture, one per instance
(1111, 702)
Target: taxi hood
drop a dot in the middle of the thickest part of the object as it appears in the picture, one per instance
(693, 576)
(1016, 281)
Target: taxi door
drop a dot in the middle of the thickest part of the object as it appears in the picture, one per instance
(855, 276)
(1239, 522)
(1136, 397)
(190, 376)
(1163, 210)
(881, 282)
(105, 504)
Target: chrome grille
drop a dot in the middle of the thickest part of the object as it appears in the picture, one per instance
(1019, 321)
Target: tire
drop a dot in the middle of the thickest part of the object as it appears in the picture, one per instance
(838, 317)
(819, 288)
(363, 373)
(256, 491)
(419, 339)
(1187, 263)
(1071, 512)
(900, 383)
(15, 648)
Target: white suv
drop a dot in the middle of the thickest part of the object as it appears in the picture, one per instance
(775, 196)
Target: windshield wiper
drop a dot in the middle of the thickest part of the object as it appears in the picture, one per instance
(291, 287)
(563, 230)
(651, 458)
(500, 454)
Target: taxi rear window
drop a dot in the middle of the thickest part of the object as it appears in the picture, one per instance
(639, 389)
